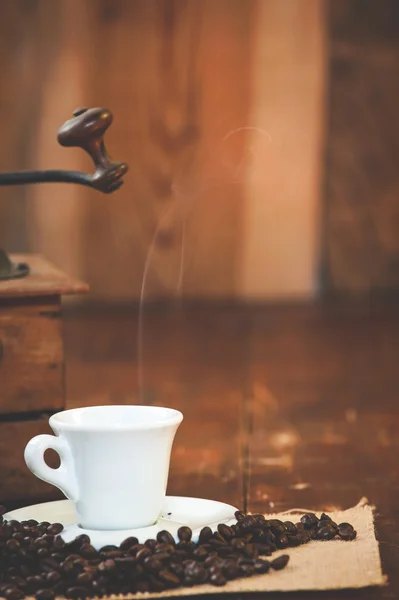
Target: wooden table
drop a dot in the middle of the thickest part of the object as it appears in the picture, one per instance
(293, 406)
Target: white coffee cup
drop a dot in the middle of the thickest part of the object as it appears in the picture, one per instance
(114, 462)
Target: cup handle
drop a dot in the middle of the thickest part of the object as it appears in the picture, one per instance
(64, 477)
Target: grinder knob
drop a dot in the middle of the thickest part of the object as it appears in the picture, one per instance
(86, 130)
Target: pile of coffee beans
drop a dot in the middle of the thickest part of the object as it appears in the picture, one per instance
(35, 560)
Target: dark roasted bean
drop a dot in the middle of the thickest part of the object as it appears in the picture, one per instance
(261, 566)
(128, 543)
(151, 544)
(184, 534)
(231, 569)
(239, 515)
(309, 520)
(277, 526)
(13, 545)
(200, 553)
(164, 537)
(282, 541)
(143, 553)
(45, 594)
(205, 535)
(152, 564)
(280, 563)
(346, 532)
(290, 527)
(55, 528)
(225, 531)
(326, 533)
(169, 577)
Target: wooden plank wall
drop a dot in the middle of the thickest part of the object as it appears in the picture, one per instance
(362, 176)
(197, 87)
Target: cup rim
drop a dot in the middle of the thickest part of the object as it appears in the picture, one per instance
(174, 417)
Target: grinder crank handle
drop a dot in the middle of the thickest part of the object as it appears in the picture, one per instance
(86, 130)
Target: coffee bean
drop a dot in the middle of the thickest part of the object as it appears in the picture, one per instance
(325, 517)
(282, 541)
(184, 534)
(346, 532)
(290, 527)
(52, 577)
(165, 538)
(326, 533)
(152, 564)
(143, 553)
(128, 543)
(205, 535)
(309, 520)
(44, 594)
(261, 566)
(277, 526)
(230, 569)
(177, 569)
(13, 545)
(225, 531)
(280, 563)
(169, 577)
(107, 565)
(239, 515)
(151, 544)
(55, 528)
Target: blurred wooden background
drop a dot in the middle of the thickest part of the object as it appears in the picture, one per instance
(260, 136)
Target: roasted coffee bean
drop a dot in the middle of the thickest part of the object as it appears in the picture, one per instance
(299, 526)
(251, 551)
(169, 577)
(151, 544)
(55, 528)
(164, 537)
(261, 566)
(152, 564)
(326, 533)
(294, 541)
(177, 569)
(225, 531)
(200, 553)
(280, 563)
(184, 534)
(45, 594)
(88, 551)
(325, 517)
(143, 553)
(164, 547)
(282, 541)
(277, 526)
(13, 545)
(346, 532)
(52, 577)
(291, 528)
(107, 565)
(309, 520)
(230, 569)
(237, 544)
(247, 569)
(239, 515)
(218, 579)
(128, 543)
(205, 535)
(84, 578)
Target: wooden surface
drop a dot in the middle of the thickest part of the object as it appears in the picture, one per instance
(44, 280)
(285, 406)
(284, 196)
(32, 357)
(362, 182)
(196, 94)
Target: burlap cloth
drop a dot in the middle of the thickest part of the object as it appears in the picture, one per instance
(315, 566)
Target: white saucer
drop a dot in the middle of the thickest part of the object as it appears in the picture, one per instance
(177, 511)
